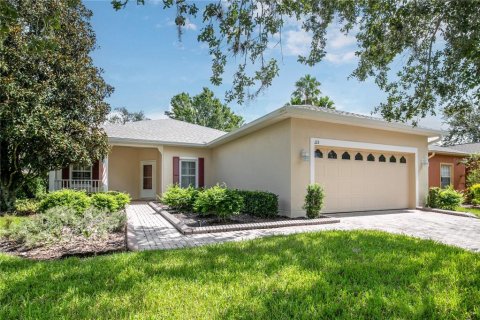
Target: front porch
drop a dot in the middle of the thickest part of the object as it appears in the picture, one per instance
(86, 185)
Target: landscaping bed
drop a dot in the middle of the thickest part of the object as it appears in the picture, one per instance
(73, 246)
(66, 223)
(194, 219)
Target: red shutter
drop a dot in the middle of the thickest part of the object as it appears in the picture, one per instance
(176, 173)
(201, 172)
(66, 173)
(95, 170)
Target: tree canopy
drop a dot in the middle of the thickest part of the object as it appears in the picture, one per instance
(307, 91)
(122, 115)
(51, 95)
(435, 45)
(204, 109)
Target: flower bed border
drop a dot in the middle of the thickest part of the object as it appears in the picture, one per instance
(184, 229)
(449, 212)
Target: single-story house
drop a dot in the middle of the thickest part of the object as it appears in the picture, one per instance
(445, 167)
(362, 162)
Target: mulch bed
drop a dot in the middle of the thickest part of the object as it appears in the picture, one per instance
(197, 220)
(74, 246)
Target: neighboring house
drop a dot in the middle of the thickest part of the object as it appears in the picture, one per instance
(469, 148)
(445, 167)
(363, 163)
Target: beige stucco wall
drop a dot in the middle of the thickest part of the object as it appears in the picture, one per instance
(258, 161)
(187, 152)
(302, 130)
(124, 168)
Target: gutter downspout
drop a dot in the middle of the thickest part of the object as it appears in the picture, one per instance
(431, 156)
(433, 141)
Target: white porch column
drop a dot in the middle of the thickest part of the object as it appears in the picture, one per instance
(51, 180)
(105, 173)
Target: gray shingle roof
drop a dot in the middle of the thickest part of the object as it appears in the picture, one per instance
(468, 147)
(437, 148)
(163, 130)
(356, 115)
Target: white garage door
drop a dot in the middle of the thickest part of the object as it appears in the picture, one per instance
(358, 180)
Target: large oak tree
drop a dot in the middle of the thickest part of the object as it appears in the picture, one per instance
(435, 44)
(51, 95)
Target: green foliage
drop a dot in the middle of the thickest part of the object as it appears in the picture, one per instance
(35, 188)
(259, 203)
(472, 166)
(104, 201)
(475, 194)
(431, 45)
(79, 201)
(180, 198)
(447, 198)
(52, 105)
(473, 177)
(25, 207)
(364, 274)
(313, 200)
(219, 201)
(308, 92)
(433, 197)
(122, 116)
(204, 109)
(60, 222)
(122, 198)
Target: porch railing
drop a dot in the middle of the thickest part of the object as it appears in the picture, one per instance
(87, 185)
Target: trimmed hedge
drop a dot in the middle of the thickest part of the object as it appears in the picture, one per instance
(314, 200)
(447, 199)
(259, 203)
(219, 201)
(180, 198)
(79, 201)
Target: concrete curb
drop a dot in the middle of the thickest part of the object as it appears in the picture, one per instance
(449, 212)
(131, 238)
(184, 229)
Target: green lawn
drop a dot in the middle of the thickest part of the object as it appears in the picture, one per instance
(471, 210)
(334, 274)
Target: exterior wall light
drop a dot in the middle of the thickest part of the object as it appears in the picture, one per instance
(304, 155)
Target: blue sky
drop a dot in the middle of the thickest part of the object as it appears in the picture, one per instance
(142, 58)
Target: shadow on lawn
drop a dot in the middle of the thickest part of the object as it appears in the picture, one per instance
(328, 274)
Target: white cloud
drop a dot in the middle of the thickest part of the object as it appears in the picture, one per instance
(188, 25)
(340, 58)
(297, 43)
(338, 40)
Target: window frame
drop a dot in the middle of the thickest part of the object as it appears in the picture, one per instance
(180, 175)
(83, 171)
(451, 174)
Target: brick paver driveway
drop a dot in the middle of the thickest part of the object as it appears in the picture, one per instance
(149, 230)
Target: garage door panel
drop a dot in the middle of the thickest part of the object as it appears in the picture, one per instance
(358, 185)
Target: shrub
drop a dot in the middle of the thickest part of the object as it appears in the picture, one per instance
(77, 200)
(475, 194)
(449, 199)
(313, 200)
(122, 198)
(105, 201)
(219, 201)
(25, 207)
(58, 223)
(259, 203)
(433, 196)
(180, 198)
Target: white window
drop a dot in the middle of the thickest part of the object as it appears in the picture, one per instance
(445, 175)
(188, 173)
(81, 172)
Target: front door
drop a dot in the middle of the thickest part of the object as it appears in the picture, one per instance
(147, 179)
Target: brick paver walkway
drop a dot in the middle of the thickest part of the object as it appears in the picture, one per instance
(149, 230)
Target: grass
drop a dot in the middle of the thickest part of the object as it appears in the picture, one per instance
(335, 274)
(475, 211)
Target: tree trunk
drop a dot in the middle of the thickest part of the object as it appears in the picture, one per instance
(7, 200)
